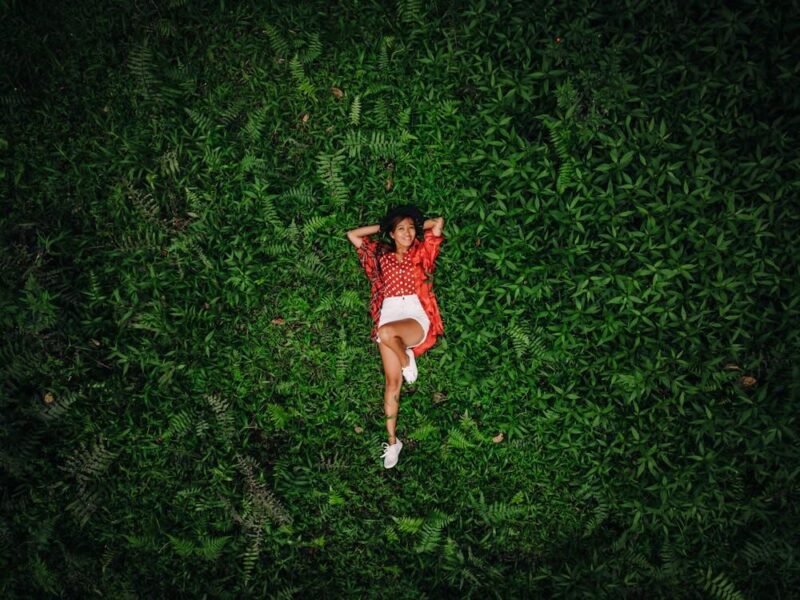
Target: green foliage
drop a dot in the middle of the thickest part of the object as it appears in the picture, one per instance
(566, 168)
(140, 62)
(304, 85)
(720, 586)
(313, 50)
(410, 11)
(383, 53)
(190, 403)
(355, 111)
(329, 169)
(277, 42)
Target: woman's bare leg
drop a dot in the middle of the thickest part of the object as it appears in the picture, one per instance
(399, 335)
(391, 394)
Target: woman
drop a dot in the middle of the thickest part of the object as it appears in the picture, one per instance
(404, 310)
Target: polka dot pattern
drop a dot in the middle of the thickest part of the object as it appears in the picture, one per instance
(398, 275)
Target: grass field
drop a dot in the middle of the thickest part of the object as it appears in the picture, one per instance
(190, 404)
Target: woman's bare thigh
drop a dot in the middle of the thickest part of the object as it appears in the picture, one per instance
(409, 330)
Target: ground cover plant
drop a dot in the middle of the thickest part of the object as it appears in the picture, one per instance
(191, 404)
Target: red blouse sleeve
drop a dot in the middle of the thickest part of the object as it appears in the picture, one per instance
(430, 250)
(366, 256)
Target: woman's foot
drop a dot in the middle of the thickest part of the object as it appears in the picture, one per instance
(410, 371)
(391, 452)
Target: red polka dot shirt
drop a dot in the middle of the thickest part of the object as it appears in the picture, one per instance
(398, 275)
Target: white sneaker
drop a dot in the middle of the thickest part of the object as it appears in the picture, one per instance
(410, 372)
(391, 452)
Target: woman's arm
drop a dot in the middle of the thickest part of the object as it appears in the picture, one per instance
(436, 224)
(355, 235)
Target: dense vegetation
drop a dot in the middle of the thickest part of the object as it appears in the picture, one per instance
(191, 404)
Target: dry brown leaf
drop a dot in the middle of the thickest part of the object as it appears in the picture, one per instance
(305, 117)
(389, 184)
(49, 398)
(732, 367)
(439, 397)
(95, 343)
(748, 381)
(477, 242)
(278, 321)
(336, 91)
(358, 429)
(498, 438)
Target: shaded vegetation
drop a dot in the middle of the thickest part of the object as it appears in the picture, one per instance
(190, 401)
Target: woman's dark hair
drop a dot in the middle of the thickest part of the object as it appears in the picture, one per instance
(397, 214)
(390, 221)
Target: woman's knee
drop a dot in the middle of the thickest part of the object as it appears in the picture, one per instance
(386, 332)
(393, 384)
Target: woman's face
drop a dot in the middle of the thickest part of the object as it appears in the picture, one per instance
(404, 233)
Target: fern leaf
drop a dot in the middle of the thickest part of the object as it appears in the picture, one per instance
(140, 62)
(211, 547)
(314, 49)
(42, 577)
(199, 119)
(251, 555)
(566, 172)
(410, 11)
(521, 341)
(409, 525)
(431, 532)
(231, 111)
(328, 170)
(278, 416)
(59, 408)
(383, 53)
(255, 123)
(182, 547)
(223, 413)
(720, 586)
(277, 42)
(84, 505)
(314, 224)
(381, 114)
(424, 432)
(179, 424)
(299, 76)
(457, 439)
(355, 110)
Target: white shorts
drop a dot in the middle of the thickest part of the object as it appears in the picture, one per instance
(404, 307)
